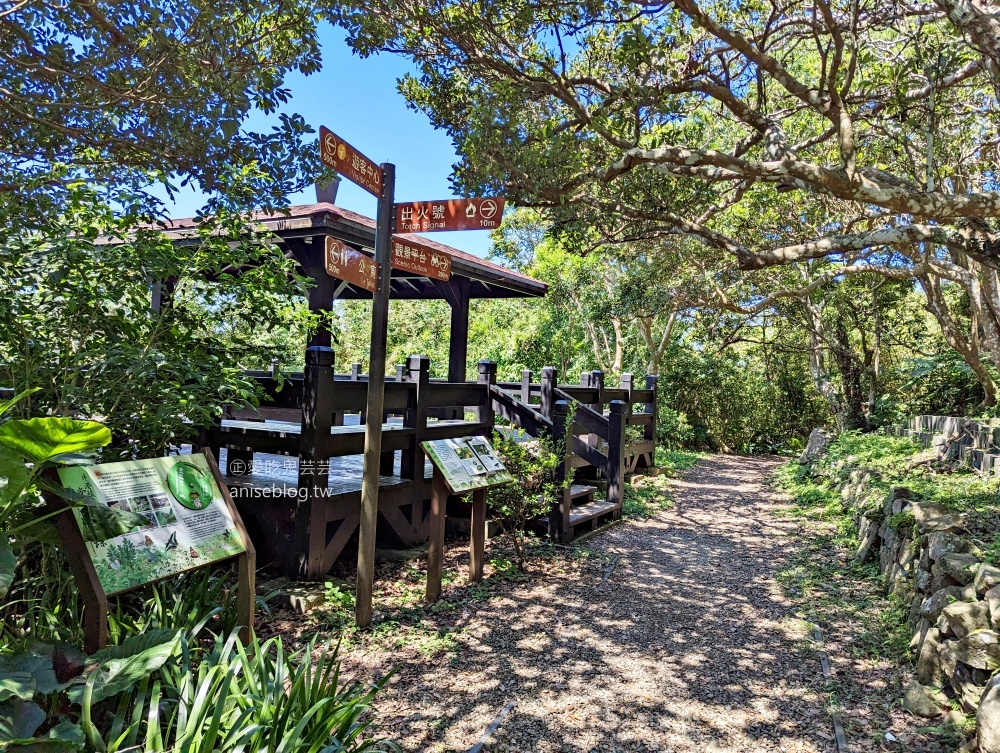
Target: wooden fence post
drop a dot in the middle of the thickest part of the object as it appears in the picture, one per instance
(628, 384)
(616, 454)
(649, 430)
(597, 382)
(356, 377)
(548, 391)
(559, 527)
(477, 537)
(314, 462)
(485, 413)
(526, 386)
(411, 463)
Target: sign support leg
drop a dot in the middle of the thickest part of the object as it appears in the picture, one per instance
(376, 402)
(246, 595)
(477, 541)
(435, 551)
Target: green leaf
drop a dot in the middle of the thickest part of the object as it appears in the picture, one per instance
(39, 662)
(120, 667)
(19, 720)
(7, 564)
(65, 737)
(13, 477)
(16, 685)
(50, 744)
(42, 439)
(6, 406)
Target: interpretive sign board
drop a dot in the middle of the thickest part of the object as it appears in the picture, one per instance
(173, 514)
(448, 214)
(349, 162)
(467, 463)
(181, 519)
(420, 259)
(350, 265)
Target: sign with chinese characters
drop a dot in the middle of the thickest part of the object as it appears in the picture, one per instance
(467, 463)
(349, 265)
(448, 214)
(349, 162)
(151, 519)
(420, 259)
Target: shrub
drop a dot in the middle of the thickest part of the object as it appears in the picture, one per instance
(534, 464)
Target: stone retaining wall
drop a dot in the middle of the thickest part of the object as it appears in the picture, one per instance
(976, 441)
(928, 560)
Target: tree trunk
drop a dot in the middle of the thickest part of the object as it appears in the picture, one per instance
(967, 347)
(854, 416)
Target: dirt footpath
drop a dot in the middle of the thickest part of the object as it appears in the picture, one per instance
(673, 635)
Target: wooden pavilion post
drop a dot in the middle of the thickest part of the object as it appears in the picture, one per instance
(411, 464)
(548, 387)
(649, 430)
(458, 340)
(376, 401)
(317, 417)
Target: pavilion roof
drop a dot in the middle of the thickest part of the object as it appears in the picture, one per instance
(306, 221)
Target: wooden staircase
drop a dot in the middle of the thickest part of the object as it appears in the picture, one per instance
(587, 513)
(592, 440)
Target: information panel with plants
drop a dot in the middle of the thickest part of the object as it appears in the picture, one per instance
(180, 518)
(467, 463)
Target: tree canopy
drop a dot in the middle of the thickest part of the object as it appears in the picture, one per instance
(650, 119)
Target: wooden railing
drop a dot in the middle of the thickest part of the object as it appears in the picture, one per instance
(597, 433)
(413, 397)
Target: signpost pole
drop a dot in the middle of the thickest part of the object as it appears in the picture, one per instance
(376, 401)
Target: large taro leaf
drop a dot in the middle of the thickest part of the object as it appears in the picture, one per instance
(13, 476)
(16, 685)
(8, 562)
(65, 737)
(42, 439)
(19, 720)
(117, 668)
(45, 667)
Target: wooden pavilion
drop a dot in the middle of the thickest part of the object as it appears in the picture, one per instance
(294, 467)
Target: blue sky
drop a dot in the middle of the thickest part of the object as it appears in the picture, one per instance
(357, 100)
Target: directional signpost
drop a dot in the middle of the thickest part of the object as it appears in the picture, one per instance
(357, 269)
(351, 266)
(380, 181)
(349, 162)
(448, 214)
(419, 259)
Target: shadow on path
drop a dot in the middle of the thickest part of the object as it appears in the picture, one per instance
(688, 646)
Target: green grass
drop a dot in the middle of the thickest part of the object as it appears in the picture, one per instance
(647, 495)
(823, 577)
(673, 462)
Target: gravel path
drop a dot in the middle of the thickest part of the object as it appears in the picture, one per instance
(673, 637)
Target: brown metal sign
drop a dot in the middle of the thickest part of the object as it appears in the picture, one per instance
(351, 266)
(419, 259)
(349, 162)
(448, 214)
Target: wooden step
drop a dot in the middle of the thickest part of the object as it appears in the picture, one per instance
(583, 513)
(581, 490)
